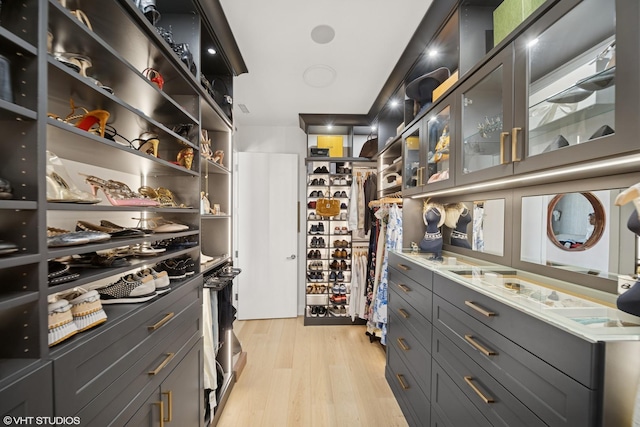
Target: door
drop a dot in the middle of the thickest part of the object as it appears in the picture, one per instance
(267, 235)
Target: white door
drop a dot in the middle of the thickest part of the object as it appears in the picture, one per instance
(267, 242)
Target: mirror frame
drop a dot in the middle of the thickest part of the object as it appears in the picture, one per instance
(598, 229)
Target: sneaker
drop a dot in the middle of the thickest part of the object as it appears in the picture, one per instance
(335, 289)
(343, 311)
(314, 311)
(86, 308)
(129, 289)
(320, 228)
(320, 276)
(314, 242)
(332, 276)
(189, 265)
(314, 229)
(343, 288)
(334, 311)
(321, 243)
(160, 279)
(343, 206)
(339, 277)
(61, 324)
(175, 269)
(322, 311)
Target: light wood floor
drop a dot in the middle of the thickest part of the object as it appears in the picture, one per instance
(310, 376)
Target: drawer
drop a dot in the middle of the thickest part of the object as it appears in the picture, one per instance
(555, 398)
(407, 410)
(411, 270)
(416, 358)
(407, 387)
(29, 395)
(399, 310)
(449, 404)
(412, 292)
(88, 365)
(146, 372)
(499, 406)
(570, 354)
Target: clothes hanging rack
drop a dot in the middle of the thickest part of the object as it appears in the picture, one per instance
(386, 200)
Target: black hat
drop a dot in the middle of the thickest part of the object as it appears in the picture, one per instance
(421, 89)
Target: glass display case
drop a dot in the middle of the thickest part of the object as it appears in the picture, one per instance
(411, 175)
(439, 141)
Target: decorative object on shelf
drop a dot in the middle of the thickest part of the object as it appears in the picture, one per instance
(556, 144)
(149, 10)
(421, 89)
(433, 215)
(118, 193)
(6, 192)
(328, 207)
(603, 130)
(185, 157)
(205, 205)
(6, 91)
(60, 187)
(154, 77)
(147, 143)
(490, 125)
(458, 218)
(442, 147)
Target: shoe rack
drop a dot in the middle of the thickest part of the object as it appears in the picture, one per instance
(328, 272)
(38, 39)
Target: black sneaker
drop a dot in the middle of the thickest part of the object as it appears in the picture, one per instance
(320, 228)
(314, 229)
(175, 269)
(321, 243)
(340, 276)
(322, 311)
(314, 311)
(321, 181)
(343, 206)
(332, 276)
(189, 265)
(314, 242)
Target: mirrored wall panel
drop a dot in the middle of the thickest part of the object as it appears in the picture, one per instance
(476, 225)
(583, 232)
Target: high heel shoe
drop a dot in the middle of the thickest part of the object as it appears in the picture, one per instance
(60, 187)
(80, 64)
(205, 145)
(162, 195)
(147, 143)
(154, 76)
(185, 157)
(85, 121)
(218, 156)
(118, 193)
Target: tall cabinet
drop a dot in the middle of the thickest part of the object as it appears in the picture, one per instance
(145, 363)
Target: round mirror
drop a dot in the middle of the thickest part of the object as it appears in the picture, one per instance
(575, 221)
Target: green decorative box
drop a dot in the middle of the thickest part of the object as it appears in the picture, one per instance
(509, 15)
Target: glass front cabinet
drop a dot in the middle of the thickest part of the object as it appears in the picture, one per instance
(556, 95)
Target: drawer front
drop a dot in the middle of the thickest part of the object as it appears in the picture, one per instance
(411, 270)
(407, 410)
(147, 371)
(414, 293)
(407, 387)
(28, 396)
(574, 356)
(496, 403)
(85, 369)
(416, 358)
(553, 396)
(451, 406)
(399, 310)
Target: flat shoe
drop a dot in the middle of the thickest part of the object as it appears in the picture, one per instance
(7, 247)
(57, 237)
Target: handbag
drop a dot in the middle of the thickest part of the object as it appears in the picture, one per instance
(328, 207)
(370, 147)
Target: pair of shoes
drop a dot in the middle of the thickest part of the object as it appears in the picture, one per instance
(317, 181)
(118, 193)
(160, 225)
(335, 265)
(73, 312)
(341, 194)
(322, 169)
(162, 195)
(316, 194)
(58, 273)
(57, 237)
(340, 230)
(129, 289)
(317, 242)
(340, 253)
(315, 266)
(115, 233)
(314, 254)
(60, 188)
(315, 276)
(340, 244)
(161, 279)
(85, 121)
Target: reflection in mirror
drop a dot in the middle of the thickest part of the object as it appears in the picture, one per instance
(555, 228)
(477, 225)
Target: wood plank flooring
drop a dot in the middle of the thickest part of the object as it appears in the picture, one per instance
(310, 376)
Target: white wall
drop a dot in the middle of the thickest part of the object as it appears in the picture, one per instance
(283, 139)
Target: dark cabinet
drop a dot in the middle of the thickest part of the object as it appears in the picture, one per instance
(30, 395)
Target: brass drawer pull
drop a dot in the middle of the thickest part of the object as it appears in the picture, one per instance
(403, 345)
(404, 267)
(162, 321)
(486, 399)
(403, 384)
(404, 287)
(161, 407)
(514, 145)
(170, 404)
(480, 309)
(164, 363)
(478, 346)
(503, 135)
(403, 313)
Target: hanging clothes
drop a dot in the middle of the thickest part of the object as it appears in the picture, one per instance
(371, 270)
(358, 285)
(370, 193)
(352, 213)
(210, 345)
(478, 238)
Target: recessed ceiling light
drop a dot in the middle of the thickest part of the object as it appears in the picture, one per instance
(211, 51)
(329, 127)
(323, 34)
(532, 42)
(394, 103)
(373, 127)
(432, 53)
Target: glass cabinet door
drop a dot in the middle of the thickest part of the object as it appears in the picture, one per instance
(439, 139)
(411, 176)
(572, 79)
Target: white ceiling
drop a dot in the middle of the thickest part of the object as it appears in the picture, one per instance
(274, 38)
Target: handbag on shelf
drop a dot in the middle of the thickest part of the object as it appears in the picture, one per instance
(328, 207)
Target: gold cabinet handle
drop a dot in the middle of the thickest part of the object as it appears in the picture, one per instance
(479, 346)
(514, 145)
(403, 345)
(503, 135)
(486, 399)
(170, 405)
(480, 309)
(161, 407)
(404, 287)
(421, 176)
(403, 384)
(403, 313)
(162, 321)
(404, 267)
(164, 363)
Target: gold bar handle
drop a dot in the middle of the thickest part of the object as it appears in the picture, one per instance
(479, 309)
(164, 363)
(403, 384)
(162, 321)
(486, 399)
(514, 145)
(403, 313)
(403, 345)
(503, 135)
(404, 267)
(161, 407)
(479, 346)
(404, 287)
(421, 175)
(170, 404)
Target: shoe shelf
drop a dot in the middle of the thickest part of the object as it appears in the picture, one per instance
(22, 21)
(12, 112)
(12, 300)
(17, 260)
(16, 42)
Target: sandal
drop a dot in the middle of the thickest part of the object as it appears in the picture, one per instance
(185, 157)
(162, 195)
(118, 193)
(154, 76)
(85, 121)
(205, 145)
(109, 224)
(218, 156)
(160, 225)
(147, 143)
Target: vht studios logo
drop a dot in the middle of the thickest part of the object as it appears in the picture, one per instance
(41, 421)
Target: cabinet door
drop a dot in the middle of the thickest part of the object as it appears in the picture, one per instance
(485, 112)
(412, 174)
(573, 100)
(439, 152)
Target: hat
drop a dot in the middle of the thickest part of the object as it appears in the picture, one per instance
(421, 89)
